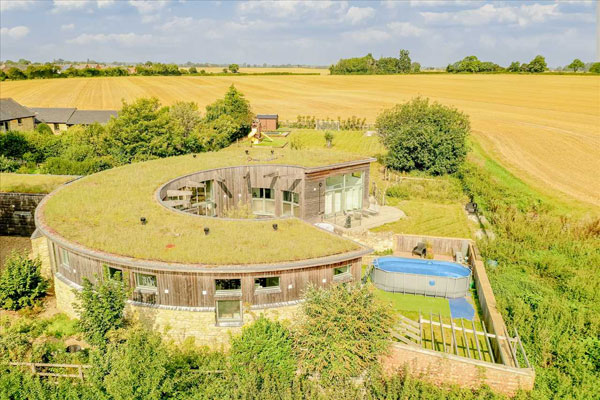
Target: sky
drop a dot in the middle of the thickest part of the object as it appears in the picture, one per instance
(297, 32)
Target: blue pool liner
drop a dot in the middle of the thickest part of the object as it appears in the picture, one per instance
(461, 308)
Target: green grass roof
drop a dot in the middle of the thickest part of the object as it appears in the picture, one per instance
(31, 183)
(102, 212)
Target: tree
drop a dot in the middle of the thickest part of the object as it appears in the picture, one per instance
(387, 65)
(185, 116)
(538, 64)
(514, 66)
(423, 136)
(234, 68)
(225, 70)
(43, 129)
(342, 331)
(404, 62)
(328, 138)
(595, 68)
(236, 108)
(15, 73)
(100, 307)
(415, 68)
(193, 70)
(21, 282)
(576, 64)
(262, 360)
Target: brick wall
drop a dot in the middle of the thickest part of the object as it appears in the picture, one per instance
(16, 213)
(442, 368)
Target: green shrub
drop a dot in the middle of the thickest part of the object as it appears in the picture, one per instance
(328, 138)
(8, 165)
(342, 332)
(262, 359)
(21, 282)
(100, 307)
(423, 136)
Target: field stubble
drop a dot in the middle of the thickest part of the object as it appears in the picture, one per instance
(543, 128)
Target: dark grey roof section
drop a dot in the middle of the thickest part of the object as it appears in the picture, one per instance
(87, 117)
(53, 115)
(267, 116)
(10, 109)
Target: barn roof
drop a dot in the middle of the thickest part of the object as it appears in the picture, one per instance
(267, 116)
(10, 109)
(53, 115)
(87, 117)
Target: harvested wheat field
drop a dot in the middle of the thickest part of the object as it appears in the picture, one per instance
(545, 128)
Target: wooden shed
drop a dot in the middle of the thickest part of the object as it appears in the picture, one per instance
(268, 122)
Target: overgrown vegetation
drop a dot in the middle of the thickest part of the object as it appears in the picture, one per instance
(423, 136)
(369, 65)
(352, 123)
(547, 282)
(21, 282)
(143, 130)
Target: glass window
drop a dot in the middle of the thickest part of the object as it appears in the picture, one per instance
(145, 281)
(269, 282)
(228, 284)
(115, 273)
(291, 203)
(229, 311)
(263, 201)
(343, 193)
(341, 270)
(64, 255)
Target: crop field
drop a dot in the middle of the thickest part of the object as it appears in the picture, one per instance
(543, 128)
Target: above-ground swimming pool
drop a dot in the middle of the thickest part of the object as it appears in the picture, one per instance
(417, 276)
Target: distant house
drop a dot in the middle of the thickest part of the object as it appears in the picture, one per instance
(131, 70)
(56, 118)
(268, 122)
(15, 117)
(59, 119)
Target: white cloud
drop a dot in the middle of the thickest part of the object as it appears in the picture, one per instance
(437, 3)
(405, 29)
(368, 35)
(124, 39)
(294, 8)
(6, 5)
(356, 15)
(67, 27)
(148, 6)
(16, 32)
(177, 23)
(105, 3)
(69, 5)
(489, 13)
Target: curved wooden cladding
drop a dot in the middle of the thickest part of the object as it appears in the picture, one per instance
(185, 289)
(232, 185)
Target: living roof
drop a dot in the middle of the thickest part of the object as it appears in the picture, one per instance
(10, 109)
(53, 115)
(32, 183)
(87, 117)
(103, 211)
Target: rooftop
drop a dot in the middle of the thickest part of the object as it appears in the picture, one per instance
(53, 115)
(102, 212)
(267, 116)
(87, 117)
(10, 109)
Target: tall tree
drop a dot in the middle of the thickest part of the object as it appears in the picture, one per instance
(576, 64)
(404, 62)
(538, 64)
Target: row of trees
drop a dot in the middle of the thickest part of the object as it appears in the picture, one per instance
(473, 64)
(369, 65)
(143, 130)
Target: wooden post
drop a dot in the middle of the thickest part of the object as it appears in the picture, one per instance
(522, 348)
(513, 351)
(489, 344)
(420, 329)
(453, 336)
(462, 324)
(442, 329)
(80, 370)
(476, 339)
(433, 334)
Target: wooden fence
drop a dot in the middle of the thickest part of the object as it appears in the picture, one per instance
(43, 369)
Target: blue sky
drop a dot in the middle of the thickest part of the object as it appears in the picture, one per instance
(296, 32)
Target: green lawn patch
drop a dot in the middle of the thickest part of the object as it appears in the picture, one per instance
(274, 142)
(31, 183)
(411, 304)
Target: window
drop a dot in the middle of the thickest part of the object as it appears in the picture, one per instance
(263, 201)
(291, 203)
(19, 121)
(228, 287)
(269, 283)
(342, 273)
(56, 127)
(145, 281)
(115, 273)
(202, 198)
(64, 257)
(229, 312)
(343, 193)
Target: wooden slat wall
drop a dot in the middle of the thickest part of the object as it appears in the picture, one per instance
(185, 289)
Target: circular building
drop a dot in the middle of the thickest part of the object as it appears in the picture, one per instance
(204, 241)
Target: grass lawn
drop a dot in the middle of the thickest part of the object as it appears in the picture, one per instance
(347, 141)
(274, 142)
(411, 304)
(31, 183)
(429, 218)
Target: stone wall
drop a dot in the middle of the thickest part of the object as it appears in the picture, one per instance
(177, 324)
(16, 213)
(443, 368)
(39, 248)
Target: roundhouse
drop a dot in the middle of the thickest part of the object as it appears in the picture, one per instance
(205, 241)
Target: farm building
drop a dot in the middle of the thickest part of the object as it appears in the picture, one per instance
(268, 122)
(205, 241)
(60, 119)
(15, 117)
